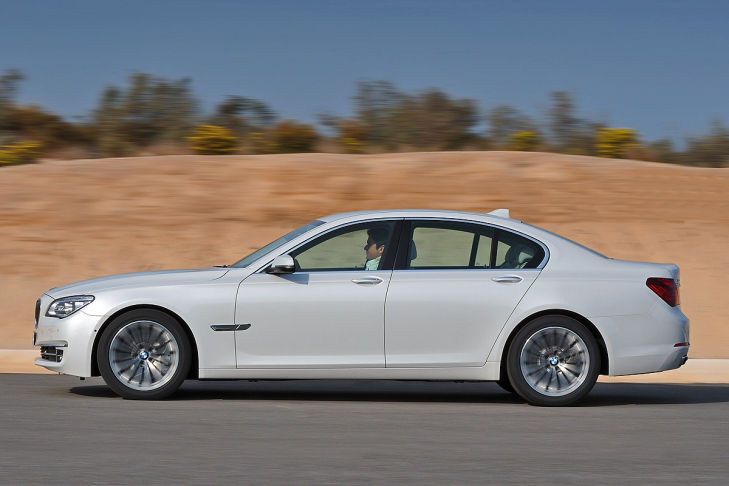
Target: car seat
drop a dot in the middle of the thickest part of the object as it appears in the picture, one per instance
(518, 256)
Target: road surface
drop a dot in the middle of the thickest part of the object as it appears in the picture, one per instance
(58, 429)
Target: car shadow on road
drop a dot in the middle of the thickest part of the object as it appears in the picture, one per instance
(604, 394)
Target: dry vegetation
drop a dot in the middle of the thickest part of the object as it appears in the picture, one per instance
(64, 221)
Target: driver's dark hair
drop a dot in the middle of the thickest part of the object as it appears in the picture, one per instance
(380, 235)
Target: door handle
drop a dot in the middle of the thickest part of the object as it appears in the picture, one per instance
(508, 279)
(367, 280)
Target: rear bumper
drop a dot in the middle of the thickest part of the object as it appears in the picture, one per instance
(646, 343)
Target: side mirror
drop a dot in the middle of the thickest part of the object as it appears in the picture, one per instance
(281, 264)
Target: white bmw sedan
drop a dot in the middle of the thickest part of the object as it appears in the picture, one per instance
(403, 295)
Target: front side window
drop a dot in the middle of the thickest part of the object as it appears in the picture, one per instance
(362, 246)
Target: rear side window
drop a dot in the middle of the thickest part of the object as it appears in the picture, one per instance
(459, 245)
(440, 247)
(448, 245)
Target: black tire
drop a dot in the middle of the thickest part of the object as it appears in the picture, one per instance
(561, 347)
(149, 324)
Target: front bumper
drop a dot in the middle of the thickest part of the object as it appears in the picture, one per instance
(65, 344)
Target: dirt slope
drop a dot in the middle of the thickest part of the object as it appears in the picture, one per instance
(64, 221)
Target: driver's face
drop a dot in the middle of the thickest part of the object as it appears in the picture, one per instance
(372, 250)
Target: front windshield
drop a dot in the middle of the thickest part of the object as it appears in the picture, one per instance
(275, 244)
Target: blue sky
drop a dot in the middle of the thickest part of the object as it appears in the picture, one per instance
(661, 67)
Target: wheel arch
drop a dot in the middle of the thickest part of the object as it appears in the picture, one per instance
(194, 367)
(604, 357)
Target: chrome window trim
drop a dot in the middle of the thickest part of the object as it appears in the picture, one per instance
(425, 218)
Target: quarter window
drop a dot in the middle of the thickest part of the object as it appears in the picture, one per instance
(514, 251)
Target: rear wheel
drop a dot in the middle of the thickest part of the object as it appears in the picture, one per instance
(553, 361)
(144, 354)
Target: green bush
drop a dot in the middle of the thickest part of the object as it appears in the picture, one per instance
(524, 141)
(290, 137)
(213, 140)
(20, 153)
(615, 143)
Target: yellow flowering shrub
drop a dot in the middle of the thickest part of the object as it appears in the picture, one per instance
(213, 140)
(20, 153)
(524, 141)
(615, 142)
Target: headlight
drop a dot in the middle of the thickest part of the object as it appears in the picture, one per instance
(66, 306)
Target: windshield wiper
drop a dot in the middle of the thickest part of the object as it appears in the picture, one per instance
(221, 266)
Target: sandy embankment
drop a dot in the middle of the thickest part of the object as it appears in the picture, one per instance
(65, 221)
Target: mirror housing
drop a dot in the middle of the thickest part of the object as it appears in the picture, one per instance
(281, 264)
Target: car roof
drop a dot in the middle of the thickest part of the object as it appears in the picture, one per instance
(407, 213)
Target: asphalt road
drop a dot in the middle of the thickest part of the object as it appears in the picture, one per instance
(59, 430)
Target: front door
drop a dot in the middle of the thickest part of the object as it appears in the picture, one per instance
(328, 313)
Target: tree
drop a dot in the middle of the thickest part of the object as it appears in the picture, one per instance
(107, 125)
(569, 133)
(504, 121)
(710, 150)
(287, 136)
(430, 120)
(562, 120)
(376, 103)
(9, 82)
(663, 151)
(149, 110)
(51, 131)
(243, 115)
(445, 123)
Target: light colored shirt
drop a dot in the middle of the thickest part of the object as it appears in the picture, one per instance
(372, 264)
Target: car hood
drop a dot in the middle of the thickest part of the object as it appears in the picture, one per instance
(143, 279)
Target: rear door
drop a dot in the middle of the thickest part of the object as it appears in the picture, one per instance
(454, 286)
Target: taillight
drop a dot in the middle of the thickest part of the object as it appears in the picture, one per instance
(666, 289)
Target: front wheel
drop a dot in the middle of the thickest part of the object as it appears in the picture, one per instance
(553, 361)
(144, 355)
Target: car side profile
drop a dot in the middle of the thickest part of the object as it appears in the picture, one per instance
(393, 295)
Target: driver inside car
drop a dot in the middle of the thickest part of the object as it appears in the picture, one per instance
(374, 248)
